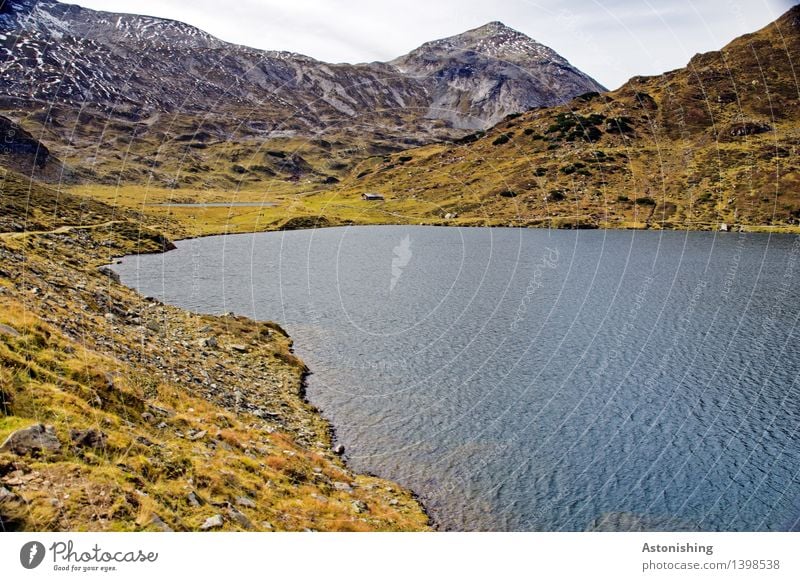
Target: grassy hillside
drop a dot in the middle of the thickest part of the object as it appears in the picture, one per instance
(164, 420)
(715, 142)
(710, 144)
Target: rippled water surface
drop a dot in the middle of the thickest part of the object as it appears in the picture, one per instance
(534, 379)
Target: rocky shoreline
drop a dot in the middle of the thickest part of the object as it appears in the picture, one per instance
(188, 421)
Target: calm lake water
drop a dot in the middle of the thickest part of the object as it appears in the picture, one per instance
(532, 379)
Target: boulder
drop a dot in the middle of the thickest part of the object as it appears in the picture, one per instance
(240, 518)
(90, 438)
(106, 271)
(343, 486)
(194, 436)
(194, 500)
(10, 331)
(6, 495)
(208, 342)
(246, 502)
(212, 522)
(32, 440)
(159, 523)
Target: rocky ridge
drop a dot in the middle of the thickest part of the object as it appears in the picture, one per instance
(111, 94)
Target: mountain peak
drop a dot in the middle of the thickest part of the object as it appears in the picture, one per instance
(494, 40)
(494, 26)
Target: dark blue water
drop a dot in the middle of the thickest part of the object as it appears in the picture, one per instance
(534, 379)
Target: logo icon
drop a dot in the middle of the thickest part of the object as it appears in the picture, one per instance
(402, 256)
(31, 554)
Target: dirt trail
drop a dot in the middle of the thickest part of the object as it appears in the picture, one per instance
(59, 230)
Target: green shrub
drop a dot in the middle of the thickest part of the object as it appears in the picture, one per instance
(502, 139)
(619, 125)
(570, 169)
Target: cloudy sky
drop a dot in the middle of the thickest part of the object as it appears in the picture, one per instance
(611, 40)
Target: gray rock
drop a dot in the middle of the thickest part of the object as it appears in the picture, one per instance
(106, 271)
(6, 494)
(197, 436)
(343, 486)
(246, 502)
(90, 438)
(32, 440)
(208, 342)
(161, 411)
(212, 522)
(143, 440)
(9, 331)
(194, 500)
(157, 522)
(240, 518)
(359, 506)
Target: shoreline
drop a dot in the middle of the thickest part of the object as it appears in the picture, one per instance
(217, 400)
(744, 229)
(432, 523)
(330, 428)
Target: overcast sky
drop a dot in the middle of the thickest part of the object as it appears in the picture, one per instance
(610, 40)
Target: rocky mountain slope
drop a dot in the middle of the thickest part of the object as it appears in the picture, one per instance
(81, 80)
(478, 77)
(715, 143)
